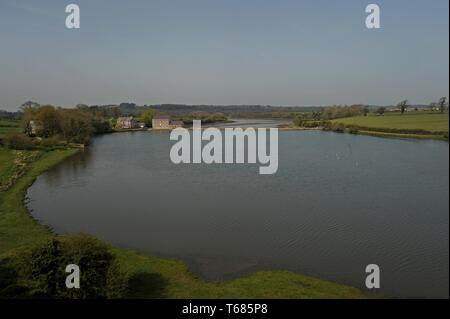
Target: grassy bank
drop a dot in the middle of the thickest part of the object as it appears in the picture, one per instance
(149, 277)
(19, 169)
(411, 124)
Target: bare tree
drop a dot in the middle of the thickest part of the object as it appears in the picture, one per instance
(28, 105)
(403, 105)
(442, 104)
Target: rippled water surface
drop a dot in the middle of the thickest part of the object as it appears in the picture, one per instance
(338, 203)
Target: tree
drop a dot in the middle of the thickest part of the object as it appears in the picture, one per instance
(366, 110)
(28, 105)
(442, 104)
(147, 117)
(381, 110)
(76, 125)
(101, 125)
(48, 119)
(316, 115)
(403, 105)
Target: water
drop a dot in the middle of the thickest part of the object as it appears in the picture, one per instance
(337, 203)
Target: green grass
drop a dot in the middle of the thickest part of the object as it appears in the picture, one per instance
(165, 278)
(6, 164)
(149, 276)
(17, 227)
(7, 126)
(410, 124)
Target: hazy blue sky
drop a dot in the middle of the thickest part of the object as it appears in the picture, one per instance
(313, 52)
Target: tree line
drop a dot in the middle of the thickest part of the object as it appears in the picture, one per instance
(52, 126)
(322, 117)
(72, 125)
(441, 106)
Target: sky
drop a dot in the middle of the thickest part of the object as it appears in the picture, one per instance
(284, 52)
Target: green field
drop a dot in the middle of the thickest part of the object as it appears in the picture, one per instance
(8, 126)
(149, 277)
(422, 124)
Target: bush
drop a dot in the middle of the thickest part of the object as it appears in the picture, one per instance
(51, 142)
(42, 269)
(338, 127)
(147, 117)
(18, 141)
(335, 112)
(353, 130)
(9, 283)
(101, 125)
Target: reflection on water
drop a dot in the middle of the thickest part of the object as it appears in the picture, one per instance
(79, 162)
(337, 203)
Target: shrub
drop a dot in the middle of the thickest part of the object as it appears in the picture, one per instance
(381, 110)
(18, 141)
(9, 283)
(51, 142)
(353, 130)
(335, 112)
(338, 127)
(76, 126)
(101, 125)
(42, 269)
(147, 117)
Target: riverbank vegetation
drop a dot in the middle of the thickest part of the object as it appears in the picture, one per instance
(397, 122)
(47, 128)
(205, 117)
(70, 125)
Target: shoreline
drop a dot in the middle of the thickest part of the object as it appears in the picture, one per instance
(180, 281)
(374, 133)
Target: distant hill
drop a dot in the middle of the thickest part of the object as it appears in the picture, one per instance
(128, 109)
(133, 109)
(230, 110)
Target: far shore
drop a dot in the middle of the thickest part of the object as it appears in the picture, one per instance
(283, 127)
